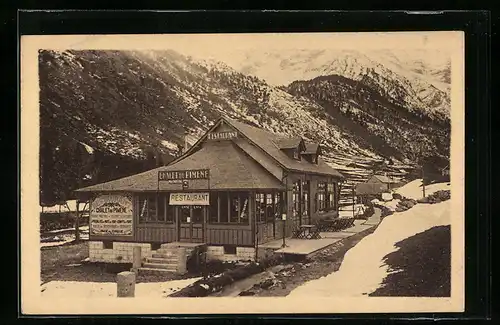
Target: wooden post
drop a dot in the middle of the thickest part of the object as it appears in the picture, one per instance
(137, 259)
(181, 260)
(77, 222)
(125, 284)
(353, 203)
(423, 182)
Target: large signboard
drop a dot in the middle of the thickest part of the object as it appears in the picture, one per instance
(180, 175)
(189, 199)
(111, 215)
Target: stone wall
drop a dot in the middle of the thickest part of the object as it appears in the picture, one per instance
(122, 252)
(242, 254)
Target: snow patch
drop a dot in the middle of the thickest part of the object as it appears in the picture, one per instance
(169, 145)
(67, 289)
(89, 149)
(413, 189)
(363, 270)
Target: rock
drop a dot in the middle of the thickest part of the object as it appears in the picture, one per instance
(397, 196)
(266, 284)
(246, 293)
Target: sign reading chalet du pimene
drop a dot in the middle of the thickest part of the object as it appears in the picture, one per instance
(181, 175)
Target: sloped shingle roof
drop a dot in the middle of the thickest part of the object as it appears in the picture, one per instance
(268, 142)
(229, 168)
(288, 143)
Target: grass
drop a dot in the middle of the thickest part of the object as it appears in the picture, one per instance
(422, 265)
(66, 263)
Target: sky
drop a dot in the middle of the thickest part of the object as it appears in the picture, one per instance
(230, 48)
(227, 47)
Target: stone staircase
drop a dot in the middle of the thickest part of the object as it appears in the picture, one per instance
(169, 258)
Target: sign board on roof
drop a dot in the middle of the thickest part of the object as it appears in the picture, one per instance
(180, 175)
(111, 215)
(227, 135)
(189, 198)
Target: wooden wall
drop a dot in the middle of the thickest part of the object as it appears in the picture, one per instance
(229, 235)
(155, 233)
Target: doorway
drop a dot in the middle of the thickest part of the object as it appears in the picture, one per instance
(191, 223)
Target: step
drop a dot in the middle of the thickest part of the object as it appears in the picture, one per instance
(152, 271)
(160, 266)
(169, 252)
(164, 256)
(161, 260)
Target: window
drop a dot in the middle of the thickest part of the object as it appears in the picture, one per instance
(214, 208)
(330, 196)
(278, 198)
(325, 196)
(296, 198)
(191, 214)
(229, 207)
(184, 213)
(223, 207)
(161, 205)
(155, 208)
(321, 196)
(305, 198)
(197, 211)
(107, 244)
(268, 206)
(230, 249)
(260, 207)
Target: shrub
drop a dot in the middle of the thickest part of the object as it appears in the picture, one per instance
(397, 196)
(436, 197)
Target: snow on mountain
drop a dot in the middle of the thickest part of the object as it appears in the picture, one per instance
(418, 80)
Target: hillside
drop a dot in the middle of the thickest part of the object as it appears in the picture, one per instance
(107, 114)
(360, 109)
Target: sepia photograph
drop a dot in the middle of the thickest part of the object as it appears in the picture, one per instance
(245, 173)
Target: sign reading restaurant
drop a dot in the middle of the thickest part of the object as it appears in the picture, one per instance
(189, 199)
(183, 174)
(222, 135)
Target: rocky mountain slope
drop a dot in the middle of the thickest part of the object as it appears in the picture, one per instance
(107, 114)
(391, 129)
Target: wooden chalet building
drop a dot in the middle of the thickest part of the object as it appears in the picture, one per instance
(237, 187)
